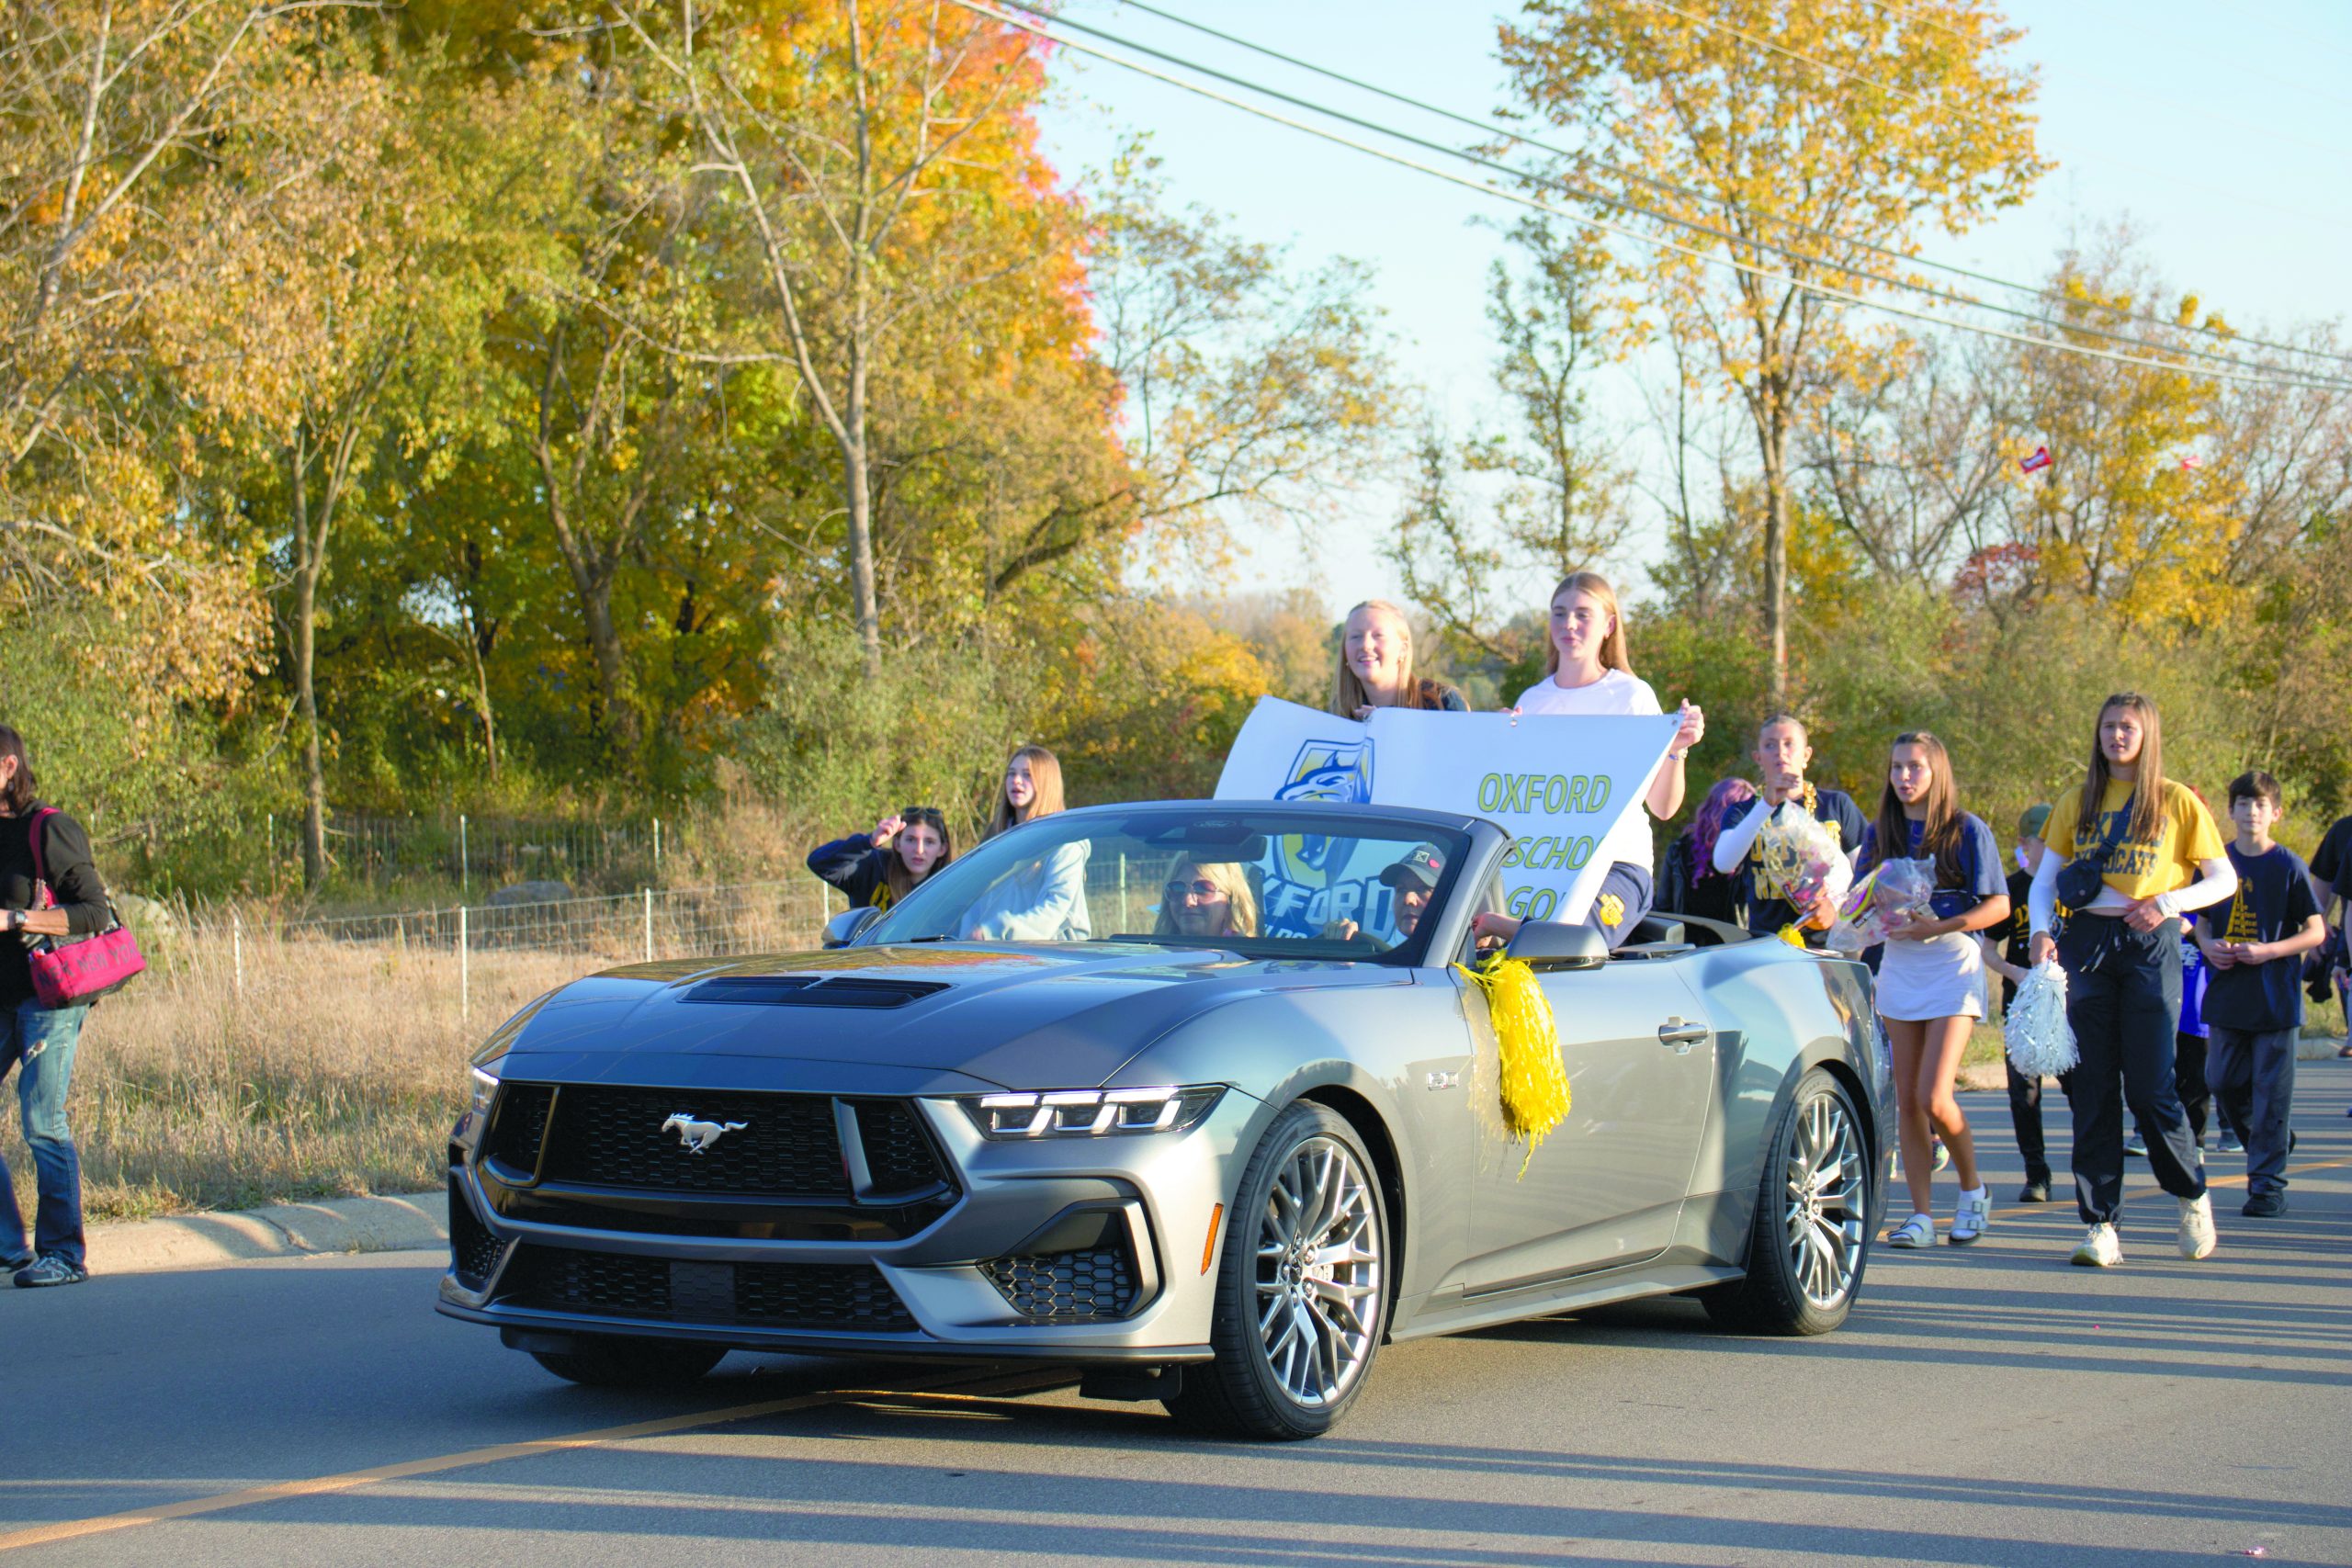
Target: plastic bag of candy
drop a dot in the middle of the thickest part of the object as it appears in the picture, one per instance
(1891, 894)
(2039, 1038)
(1798, 858)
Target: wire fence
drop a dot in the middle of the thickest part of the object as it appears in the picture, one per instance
(473, 852)
(652, 923)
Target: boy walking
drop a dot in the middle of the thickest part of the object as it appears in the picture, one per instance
(2254, 1002)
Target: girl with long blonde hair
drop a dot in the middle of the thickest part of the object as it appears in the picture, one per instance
(1589, 670)
(1208, 899)
(1375, 668)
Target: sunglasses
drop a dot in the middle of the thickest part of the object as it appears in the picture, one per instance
(1199, 887)
(930, 814)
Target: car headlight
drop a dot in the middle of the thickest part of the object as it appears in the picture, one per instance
(1089, 1112)
(485, 1090)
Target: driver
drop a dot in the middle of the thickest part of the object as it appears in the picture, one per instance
(1208, 899)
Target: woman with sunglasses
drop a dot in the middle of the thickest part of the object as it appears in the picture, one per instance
(1208, 899)
(882, 867)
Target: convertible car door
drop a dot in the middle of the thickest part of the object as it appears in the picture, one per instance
(1605, 1186)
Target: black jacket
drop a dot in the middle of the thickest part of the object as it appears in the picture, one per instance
(856, 867)
(74, 886)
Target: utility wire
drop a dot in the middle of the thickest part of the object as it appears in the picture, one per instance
(2237, 373)
(1689, 194)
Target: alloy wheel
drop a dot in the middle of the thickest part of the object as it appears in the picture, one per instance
(1319, 1272)
(1826, 1198)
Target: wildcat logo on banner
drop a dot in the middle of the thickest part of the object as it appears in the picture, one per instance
(1558, 784)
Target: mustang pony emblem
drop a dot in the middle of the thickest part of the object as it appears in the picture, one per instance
(700, 1135)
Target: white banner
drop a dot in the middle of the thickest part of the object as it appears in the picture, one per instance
(1558, 783)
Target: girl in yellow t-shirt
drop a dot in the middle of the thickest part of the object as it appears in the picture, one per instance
(2157, 856)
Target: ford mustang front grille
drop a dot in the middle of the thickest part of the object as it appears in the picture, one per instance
(898, 1156)
(518, 1122)
(1098, 1283)
(846, 1296)
(776, 1145)
(473, 1251)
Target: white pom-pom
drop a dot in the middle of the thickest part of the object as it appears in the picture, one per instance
(2039, 1038)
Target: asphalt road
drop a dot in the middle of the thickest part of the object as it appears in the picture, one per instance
(1990, 1406)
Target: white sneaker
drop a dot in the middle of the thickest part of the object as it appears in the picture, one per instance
(1974, 1214)
(1920, 1230)
(2197, 1238)
(2100, 1250)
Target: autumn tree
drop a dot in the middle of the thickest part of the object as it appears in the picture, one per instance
(1774, 142)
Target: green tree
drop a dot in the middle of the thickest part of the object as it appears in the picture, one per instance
(1762, 124)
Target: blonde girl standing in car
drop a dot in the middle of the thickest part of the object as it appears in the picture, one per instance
(1588, 672)
(1929, 991)
(2137, 851)
(1376, 667)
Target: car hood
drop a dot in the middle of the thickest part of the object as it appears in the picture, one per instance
(1014, 1016)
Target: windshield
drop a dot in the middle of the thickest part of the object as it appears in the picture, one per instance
(1265, 883)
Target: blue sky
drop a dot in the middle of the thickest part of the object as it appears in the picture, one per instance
(2221, 133)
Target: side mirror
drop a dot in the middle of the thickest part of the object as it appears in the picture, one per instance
(848, 925)
(1549, 944)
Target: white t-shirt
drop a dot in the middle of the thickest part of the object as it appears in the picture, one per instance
(1615, 693)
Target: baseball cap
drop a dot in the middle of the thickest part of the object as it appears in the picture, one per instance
(2035, 819)
(1422, 868)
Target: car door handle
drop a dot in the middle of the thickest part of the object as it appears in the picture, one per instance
(1682, 1036)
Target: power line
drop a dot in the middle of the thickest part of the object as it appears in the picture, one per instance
(1837, 70)
(1689, 194)
(2235, 374)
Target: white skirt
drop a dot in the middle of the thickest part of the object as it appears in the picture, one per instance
(1940, 977)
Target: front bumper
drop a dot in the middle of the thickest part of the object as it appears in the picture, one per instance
(1076, 1249)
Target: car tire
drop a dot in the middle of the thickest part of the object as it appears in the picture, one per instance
(1299, 1308)
(624, 1362)
(1811, 1236)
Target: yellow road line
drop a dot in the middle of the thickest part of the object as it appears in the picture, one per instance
(2058, 1204)
(325, 1485)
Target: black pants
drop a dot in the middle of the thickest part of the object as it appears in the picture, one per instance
(2123, 1003)
(2189, 1079)
(2025, 1115)
(2254, 1078)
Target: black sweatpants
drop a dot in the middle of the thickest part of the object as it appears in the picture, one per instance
(2123, 1003)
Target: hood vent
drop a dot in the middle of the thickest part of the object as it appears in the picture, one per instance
(809, 991)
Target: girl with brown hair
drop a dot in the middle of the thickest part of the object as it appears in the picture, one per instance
(878, 869)
(1376, 667)
(1928, 992)
(2140, 852)
(1044, 899)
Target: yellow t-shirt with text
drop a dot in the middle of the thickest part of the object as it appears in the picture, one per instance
(2141, 868)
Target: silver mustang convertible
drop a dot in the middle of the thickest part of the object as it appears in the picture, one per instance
(1190, 1095)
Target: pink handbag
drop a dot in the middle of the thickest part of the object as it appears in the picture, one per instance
(71, 971)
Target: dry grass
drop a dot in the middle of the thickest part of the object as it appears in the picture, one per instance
(337, 1071)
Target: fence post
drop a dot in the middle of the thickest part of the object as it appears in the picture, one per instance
(657, 846)
(465, 968)
(461, 866)
(649, 925)
(1123, 887)
(273, 851)
(237, 948)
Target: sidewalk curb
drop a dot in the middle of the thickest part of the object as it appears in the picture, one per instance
(413, 1221)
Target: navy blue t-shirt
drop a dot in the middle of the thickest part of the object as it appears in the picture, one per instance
(1834, 806)
(1978, 853)
(2273, 902)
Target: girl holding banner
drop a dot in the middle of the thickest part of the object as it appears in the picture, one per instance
(1376, 667)
(1589, 672)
